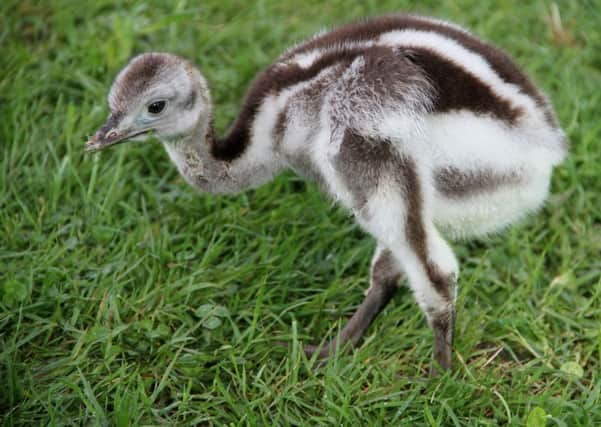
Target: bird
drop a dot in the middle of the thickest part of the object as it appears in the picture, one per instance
(424, 132)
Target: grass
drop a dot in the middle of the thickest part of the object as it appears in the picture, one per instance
(127, 298)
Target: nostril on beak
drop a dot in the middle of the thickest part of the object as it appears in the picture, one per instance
(111, 134)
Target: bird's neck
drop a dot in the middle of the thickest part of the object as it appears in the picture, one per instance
(201, 159)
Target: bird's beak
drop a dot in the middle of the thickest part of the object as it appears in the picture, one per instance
(110, 134)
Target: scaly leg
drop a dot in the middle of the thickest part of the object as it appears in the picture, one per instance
(385, 277)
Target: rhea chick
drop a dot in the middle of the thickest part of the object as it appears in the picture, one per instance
(423, 131)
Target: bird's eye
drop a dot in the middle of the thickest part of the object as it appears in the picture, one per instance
(156, 107)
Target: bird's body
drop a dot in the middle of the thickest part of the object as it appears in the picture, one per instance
(420, 129)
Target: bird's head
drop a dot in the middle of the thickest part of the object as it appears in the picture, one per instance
(158, 93)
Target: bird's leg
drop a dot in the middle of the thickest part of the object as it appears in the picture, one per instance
(443, 327)
(434, 288)
(385, 277)
(417, 246)
(392, 201)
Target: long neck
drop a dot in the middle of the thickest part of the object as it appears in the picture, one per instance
(199, 157)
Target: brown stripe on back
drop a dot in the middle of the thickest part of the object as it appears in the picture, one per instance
(277, 77)
(449, 86)
(271, 81)
(455, 183)
(371, 29)
(458, 89)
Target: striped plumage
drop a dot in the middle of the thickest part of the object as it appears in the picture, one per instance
(419, 128)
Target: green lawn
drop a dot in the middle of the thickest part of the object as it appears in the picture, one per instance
(128, 298)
